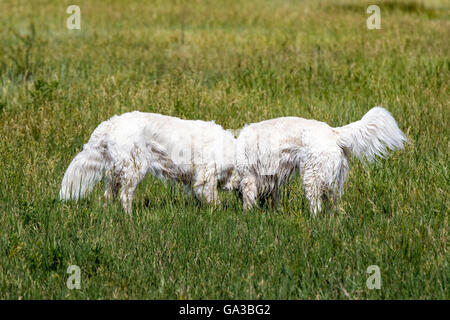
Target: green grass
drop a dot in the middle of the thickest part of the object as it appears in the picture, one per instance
(235, 62)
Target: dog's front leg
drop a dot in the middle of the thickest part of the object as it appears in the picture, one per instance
(205, 186)
(207, 191)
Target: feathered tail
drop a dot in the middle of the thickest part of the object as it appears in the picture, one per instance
(87, 168)
(374, 135)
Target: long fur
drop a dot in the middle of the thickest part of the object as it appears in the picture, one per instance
(125, 148)
(372, 136)
(87, 168)
(269, 152)
(83, 173)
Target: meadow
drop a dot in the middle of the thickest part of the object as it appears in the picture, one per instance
(235, 62)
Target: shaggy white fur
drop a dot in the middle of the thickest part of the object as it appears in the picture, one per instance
(125, 148)
(268, 153)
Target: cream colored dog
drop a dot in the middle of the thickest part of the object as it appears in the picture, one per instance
(268, 153)
(125, 148)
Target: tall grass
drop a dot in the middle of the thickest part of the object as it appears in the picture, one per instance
(235, 62)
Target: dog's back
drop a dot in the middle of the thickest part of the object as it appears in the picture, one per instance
(271, 142)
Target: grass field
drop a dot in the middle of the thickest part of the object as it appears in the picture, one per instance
(235, 62)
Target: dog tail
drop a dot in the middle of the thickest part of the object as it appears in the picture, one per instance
(86, 169)
(374, 135)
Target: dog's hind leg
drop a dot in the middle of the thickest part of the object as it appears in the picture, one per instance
(315, 203)
(323, 179)
(109, 195)
(131, 175)
(126, 196)
(249, 191)
(333, 180)
(313, 191)
(112, 185)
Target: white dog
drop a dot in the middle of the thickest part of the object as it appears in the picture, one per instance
(268, 153)
(125, 148)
